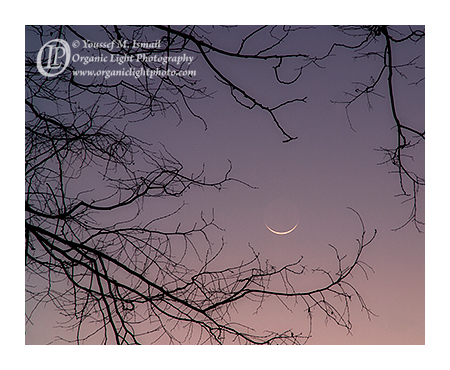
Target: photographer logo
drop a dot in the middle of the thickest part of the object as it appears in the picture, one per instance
(53, 58)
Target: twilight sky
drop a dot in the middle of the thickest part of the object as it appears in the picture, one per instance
(331, 166)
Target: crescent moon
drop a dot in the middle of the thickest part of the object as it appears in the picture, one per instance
(282, 232)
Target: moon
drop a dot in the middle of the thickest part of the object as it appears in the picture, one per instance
(282, 232)
(281, 215)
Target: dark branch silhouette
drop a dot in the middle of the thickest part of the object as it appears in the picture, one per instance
(408, 137)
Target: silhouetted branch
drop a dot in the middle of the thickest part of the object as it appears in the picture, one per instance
(395, 156)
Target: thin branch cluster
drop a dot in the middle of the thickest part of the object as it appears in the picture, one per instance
(407, 136)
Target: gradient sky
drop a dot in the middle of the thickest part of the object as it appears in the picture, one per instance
(328, 168)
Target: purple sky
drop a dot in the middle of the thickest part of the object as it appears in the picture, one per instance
(328, 168)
